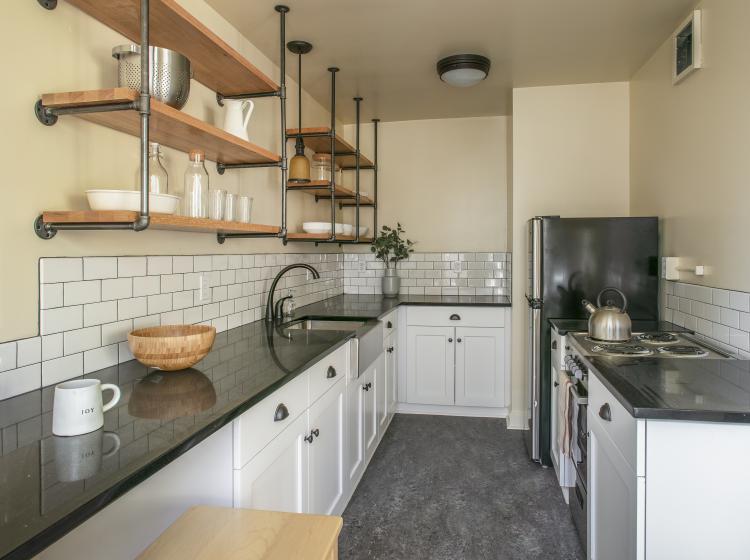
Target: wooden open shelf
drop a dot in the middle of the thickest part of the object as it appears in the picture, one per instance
(325, 236)
(168, 126)
(215, 64)
(322, 145)
(341, 192)
(158, 221)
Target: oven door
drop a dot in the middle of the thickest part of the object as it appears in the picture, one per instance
(579, 431)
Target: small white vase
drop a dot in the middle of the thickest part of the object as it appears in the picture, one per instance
(391, 282)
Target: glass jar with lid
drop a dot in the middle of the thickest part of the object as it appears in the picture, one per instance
(195, 200)
(321, 167)
(157, 173)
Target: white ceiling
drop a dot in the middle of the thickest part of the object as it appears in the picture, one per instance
(387, 49)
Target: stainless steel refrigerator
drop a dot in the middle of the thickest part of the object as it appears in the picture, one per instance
(570, 259)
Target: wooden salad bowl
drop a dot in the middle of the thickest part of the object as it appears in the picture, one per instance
(171, 347)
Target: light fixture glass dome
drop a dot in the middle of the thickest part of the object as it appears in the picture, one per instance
(463, 70)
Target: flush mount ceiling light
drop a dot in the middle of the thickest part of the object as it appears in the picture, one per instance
(463, 70)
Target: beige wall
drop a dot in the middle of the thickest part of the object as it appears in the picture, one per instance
(50, 168)
(689, 149)
(570, 158)
(445, 180)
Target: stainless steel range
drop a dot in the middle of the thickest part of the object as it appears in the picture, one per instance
(579, 346)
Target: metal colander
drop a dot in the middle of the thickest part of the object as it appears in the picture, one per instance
(170, 73)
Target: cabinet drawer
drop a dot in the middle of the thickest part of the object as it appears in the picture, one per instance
(622, 428)
(440, 316)
(256, 427)
(327, 372)
(390, 323)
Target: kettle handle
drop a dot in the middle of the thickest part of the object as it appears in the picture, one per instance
(611, 289)
(247, 108)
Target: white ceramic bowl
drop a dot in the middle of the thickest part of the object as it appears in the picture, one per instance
(348, 229)
(113, 199)
(363, 230)
(316, 227)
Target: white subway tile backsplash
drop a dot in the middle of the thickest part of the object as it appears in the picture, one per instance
(730, 317)
(117, 288)
(202, 263)
(171, 283)
(7, 356)
(100, 358)
(52, 346)
(739, 301)
(145, 322)
(182, 300)
(20, 380)
(172, 318)
(99, 313)
(53, 270)
(61, 319)
(76, 293)
(116, 332)
(181, 264)
(29, 351)
(219, 262)
(159, 303)
(131, 266)
(129, 308)
(99, 268)
(720, 297)
(61, 369)
(51, 295)
(159, 265)
(146, 286)
(82, 339)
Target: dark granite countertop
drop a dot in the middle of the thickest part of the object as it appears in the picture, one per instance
(39, 499)
(564, 326)
(678, 389)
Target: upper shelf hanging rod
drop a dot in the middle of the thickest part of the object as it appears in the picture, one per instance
(48, 116)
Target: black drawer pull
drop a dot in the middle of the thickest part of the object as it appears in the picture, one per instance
(455, 317)
(605, 413)
(282, 412)
(315, 432)
(367, 386)
(556, 383)
(331, 373)
(554, 345)
(309, 439)
(389, 325)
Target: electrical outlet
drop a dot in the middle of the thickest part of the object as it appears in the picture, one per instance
(204, 290)
(362, 266)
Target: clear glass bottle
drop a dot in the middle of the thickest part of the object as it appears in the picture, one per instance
(157, 173)
(195, 200)
(321, 167)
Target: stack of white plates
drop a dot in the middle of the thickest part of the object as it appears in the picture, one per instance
(113, 199)
(325, 227)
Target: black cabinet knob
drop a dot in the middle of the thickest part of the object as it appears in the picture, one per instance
(556, 383)
(282, 412)
(455, 317)
(554, 345)
(458, 340)
(450, 340)
(390, 350)
(389, 325)
(331, 373)
(605, 413)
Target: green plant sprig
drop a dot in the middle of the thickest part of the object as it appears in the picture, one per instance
(389, 247)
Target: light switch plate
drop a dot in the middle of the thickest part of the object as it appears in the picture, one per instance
(670, 268)
(204, 289)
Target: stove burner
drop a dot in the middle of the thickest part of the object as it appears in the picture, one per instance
(657, 338)
(622, 350)
(683, 350)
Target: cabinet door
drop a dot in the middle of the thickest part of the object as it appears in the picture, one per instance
(326, 452)
(430, 366)
(554, 416)
(354, 450)
(612, 500)
(276, 478)
(370, 411)
(381, 395)
(480, 366)
(391, 376)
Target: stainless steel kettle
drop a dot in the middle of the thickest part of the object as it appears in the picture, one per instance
(607, 322)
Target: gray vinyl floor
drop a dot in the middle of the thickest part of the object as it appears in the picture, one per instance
(450, 488)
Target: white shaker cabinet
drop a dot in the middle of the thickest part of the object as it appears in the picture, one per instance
(391, 375)
(457, 361)
(370, 409)
(430, 369)
(276, 478)
(479, 366)
(326, 477)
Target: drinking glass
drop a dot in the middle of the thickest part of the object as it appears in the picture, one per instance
(229, 206)
(244, 208)
(216, 204)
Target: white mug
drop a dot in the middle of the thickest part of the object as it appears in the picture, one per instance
(80, 457)
(78, 408)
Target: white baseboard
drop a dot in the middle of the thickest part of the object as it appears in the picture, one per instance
(517, 420)
(450, 410)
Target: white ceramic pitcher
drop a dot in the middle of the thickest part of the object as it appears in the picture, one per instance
(237, 115)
